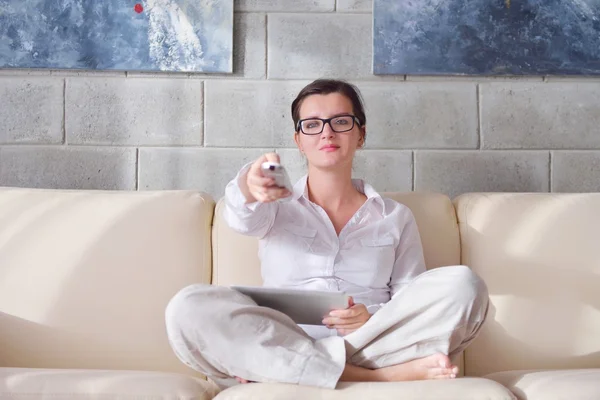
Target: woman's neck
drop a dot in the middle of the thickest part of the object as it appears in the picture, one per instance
(331, 189)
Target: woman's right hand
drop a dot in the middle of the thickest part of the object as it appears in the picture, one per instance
(257, 187)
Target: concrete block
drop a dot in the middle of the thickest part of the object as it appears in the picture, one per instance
(473, 78)
(385, 170)
(294, 163)
(249, 52)
(31, 110)
(457, 172)
(210, 169)
(421, 115)
(284, 5)
(66, 167)
(560, 115)
(165, 75)
(250, 114)
(69, 73)
(250, 46)
(60, 72)
(574, 78)
(354, 5)
(18, 72)
(576, 171)
(207, 170)
(302, 46)
(134, 111)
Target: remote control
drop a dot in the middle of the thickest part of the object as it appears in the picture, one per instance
(278, 173)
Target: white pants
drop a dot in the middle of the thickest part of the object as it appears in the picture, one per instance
(223, 333)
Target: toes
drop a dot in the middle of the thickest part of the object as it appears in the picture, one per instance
(444, 362)
(445, 376)
(437, 372)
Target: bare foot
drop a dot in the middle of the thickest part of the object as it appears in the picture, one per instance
(436, 366)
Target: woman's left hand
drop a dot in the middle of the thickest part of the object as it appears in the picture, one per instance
(348, 320)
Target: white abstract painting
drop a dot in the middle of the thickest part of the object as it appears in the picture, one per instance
(148, 35)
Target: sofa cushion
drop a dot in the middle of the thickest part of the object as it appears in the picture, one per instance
(56, 384)
(463, 389)
(235, 257)
(85, 276)
(582, 384)
(539, 255)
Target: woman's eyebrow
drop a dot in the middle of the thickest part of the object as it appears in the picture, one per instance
(333, 116)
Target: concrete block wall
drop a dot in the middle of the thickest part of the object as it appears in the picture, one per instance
(145, 131)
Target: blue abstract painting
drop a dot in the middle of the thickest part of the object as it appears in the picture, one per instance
(487, 37)
(148, 35)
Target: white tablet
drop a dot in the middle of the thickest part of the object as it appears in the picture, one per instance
(306, 307)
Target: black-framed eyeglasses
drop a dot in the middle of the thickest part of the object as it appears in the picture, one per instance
(315, 126)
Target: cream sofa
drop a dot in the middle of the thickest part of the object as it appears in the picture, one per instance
(85, 277)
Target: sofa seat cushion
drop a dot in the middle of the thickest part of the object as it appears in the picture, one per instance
(70, 384)
(576, 384)
(462, 388)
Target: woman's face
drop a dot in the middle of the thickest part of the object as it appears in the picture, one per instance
(329, 149)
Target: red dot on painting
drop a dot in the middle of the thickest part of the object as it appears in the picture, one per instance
(138, 8)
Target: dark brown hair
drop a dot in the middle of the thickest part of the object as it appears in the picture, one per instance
(327, 86)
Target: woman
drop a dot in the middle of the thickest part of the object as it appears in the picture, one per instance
(333, 233)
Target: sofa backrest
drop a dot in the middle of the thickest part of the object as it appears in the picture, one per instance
(85, 275)
(235, 257)
(540, 257)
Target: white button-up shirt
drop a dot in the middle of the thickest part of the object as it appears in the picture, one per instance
(375, 255)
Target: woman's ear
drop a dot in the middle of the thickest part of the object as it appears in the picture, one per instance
(297, 140)
(361, 140)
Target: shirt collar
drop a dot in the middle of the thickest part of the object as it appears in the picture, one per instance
(301, 190)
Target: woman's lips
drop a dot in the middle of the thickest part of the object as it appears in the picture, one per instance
(329, 147)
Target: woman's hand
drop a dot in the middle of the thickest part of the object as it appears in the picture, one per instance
(348, 320)
(257, 187)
